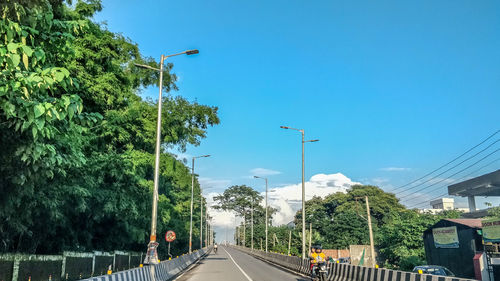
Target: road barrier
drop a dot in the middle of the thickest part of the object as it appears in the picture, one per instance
(68, 266)
(163, 271)
(345, 272)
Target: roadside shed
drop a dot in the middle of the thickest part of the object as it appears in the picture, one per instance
(452, 243)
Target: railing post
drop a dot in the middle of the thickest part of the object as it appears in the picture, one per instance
(63, 265)
(15, 268)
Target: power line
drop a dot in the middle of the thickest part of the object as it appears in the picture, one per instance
(427, 201)
(428, 174)
(465, 176)
(454, 173)
(467, 159)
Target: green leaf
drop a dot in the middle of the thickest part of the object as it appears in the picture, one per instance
(59, 76)
(12, 47)
(39, 54)
(27, 50)
(15, 59)
(39, 110)
(25, 61)
(34, 131)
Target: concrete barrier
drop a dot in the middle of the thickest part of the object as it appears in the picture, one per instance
(165, 270)
(346, 272)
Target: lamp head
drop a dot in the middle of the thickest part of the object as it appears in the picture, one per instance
(192, 52)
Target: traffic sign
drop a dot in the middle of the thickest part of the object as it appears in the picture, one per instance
(170, 236)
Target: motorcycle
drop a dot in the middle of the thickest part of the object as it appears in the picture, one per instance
(320, 271)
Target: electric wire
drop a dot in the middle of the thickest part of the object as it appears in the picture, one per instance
(473, 164)
(449, 169)
(462, 178)
(430, 173)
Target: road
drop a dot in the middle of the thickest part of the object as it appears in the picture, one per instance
(232, 265)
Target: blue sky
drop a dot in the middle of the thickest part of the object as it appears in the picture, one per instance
(402, 84)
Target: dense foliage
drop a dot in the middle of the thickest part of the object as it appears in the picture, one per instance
(78, 141)
(340, 220)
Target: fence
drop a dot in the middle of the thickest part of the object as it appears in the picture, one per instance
(165, 270)
(68, 266)
(346, 272)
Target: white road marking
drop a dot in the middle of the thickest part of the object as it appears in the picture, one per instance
(244, 273)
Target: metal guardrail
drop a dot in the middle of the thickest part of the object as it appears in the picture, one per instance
(346, 272)
(163, 271)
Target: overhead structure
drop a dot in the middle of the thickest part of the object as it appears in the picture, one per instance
(485, 185)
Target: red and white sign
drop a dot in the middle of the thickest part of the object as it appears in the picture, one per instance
(170, 236)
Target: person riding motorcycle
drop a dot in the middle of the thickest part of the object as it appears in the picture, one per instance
(215, 248)
(316, 257)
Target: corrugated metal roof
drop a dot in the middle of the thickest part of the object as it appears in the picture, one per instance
(476, 223)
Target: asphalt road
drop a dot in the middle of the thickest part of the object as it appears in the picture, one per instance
(232, 265)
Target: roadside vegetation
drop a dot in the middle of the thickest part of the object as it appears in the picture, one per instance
(77, 139)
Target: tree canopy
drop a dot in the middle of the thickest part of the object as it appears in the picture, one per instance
(78, 140)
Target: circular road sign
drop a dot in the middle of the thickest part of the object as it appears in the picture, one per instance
(170, 236)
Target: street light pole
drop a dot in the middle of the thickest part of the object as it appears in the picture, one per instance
(257, 177)
(192, 198)
(303, 190)
(152, 254)
(252, 225)
(206, 228)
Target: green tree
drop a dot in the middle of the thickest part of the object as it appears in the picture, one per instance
(400, 240)
(78, 139)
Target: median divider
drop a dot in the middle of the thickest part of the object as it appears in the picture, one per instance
(345, 272)
(165, 270)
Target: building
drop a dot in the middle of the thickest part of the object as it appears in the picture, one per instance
(453, 243)
(485, 185)
(443, 204)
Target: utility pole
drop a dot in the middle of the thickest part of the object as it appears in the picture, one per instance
(289, 241)
(372, 248)
(192, 198)
(206, 227)
(266, 221)
(252, 226)
(201, 219)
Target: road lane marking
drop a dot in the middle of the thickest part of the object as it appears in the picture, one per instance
(244, 273)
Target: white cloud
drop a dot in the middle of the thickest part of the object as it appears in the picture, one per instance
(210, 183)
(288, 199)
(264, 172)
(394, 169)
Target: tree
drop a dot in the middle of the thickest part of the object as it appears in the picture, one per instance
(239, 199)
(400, 239)
(78, 141)
(340, 217)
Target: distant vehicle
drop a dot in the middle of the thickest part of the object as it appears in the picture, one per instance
(434, 270)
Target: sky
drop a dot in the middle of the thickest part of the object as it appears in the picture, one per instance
(392, 89)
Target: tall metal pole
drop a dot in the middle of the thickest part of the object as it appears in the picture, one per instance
(207, 240)
(372, 248)
(152, 257)
(244, 229)
(152, 254)
(252, 226)
(303, 202)
(267, 220)
(191, 220)
(201, 220)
